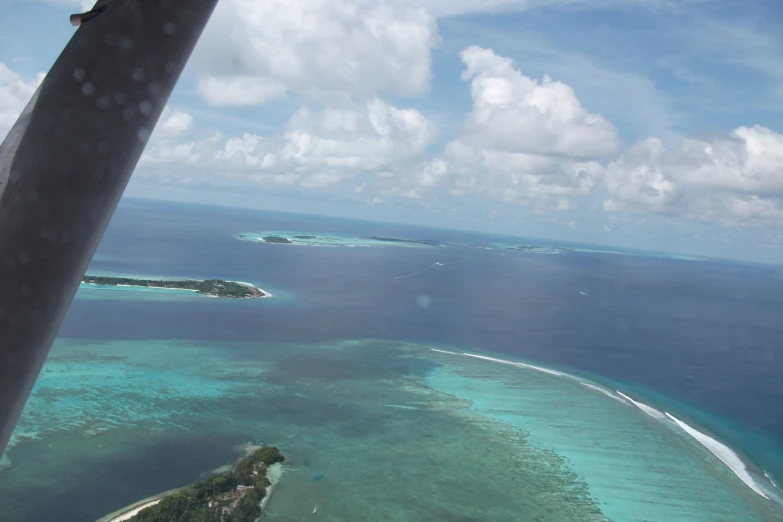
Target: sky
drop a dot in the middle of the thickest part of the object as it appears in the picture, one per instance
(652, 124)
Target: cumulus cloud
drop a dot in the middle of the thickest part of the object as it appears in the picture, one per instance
(640, 177)
(515, 113)
(749, 160)
(318, 148)
(172, 123)
(15, 92)
(738, 176)
(253, 52)
(523, 138)
(459, 7)
(373, 137)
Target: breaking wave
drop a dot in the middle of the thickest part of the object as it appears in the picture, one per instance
(723, 452)
(649, 410)
(720, 450)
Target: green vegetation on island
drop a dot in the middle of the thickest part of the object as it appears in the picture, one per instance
(400, 240)
(537, 248)
(231, 497)
(211, 287)
(276, 239)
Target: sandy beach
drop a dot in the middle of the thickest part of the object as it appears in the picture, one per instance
(129, 514)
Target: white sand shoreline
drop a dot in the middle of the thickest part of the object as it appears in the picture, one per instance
(133, 512)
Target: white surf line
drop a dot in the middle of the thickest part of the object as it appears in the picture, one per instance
(517, 364)
(443, 351)
(720, 450)
(601, 390)
(545, 370)
(649, 410)
(504, 361)
(723, 452)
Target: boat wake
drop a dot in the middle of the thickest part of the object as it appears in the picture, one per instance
(433, 265)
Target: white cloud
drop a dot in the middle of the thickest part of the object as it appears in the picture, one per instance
(730, 178)
(638, 178)
(516, 113)
(15, 92)
(227, 91)
(172, 142)
(318, 149)
(755, 207)
(749, 160)
(372, 137)
(253, 52)
(523, 139)
(459, 7)
(173, 123)
(248, 151)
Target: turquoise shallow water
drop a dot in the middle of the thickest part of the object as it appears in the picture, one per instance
(374, 430)
(91, 291)
(638, 467)
(366, 440)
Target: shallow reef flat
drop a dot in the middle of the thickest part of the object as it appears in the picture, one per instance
(371, 430)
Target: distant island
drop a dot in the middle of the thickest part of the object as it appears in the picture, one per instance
(332, 240)
(210, 287)
(537, 249)
(431, 242)
(235, 496)
(278, 239)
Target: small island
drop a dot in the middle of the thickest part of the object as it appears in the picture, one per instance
(430, 242)
(332, 239)
(236, 496)
(209, 287)
(538, 249)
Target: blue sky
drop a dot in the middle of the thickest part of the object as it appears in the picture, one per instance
(651, 124)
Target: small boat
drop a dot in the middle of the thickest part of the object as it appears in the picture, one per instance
(315, 510)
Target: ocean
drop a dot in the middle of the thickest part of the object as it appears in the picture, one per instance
(408, 381)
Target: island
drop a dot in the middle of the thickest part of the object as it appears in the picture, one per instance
(430, 242)
(299, 238)
(209, 287)
(538, 249)
(278, 239)
(557, 249)
(236, 496)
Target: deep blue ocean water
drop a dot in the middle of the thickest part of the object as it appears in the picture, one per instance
(700, 338)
